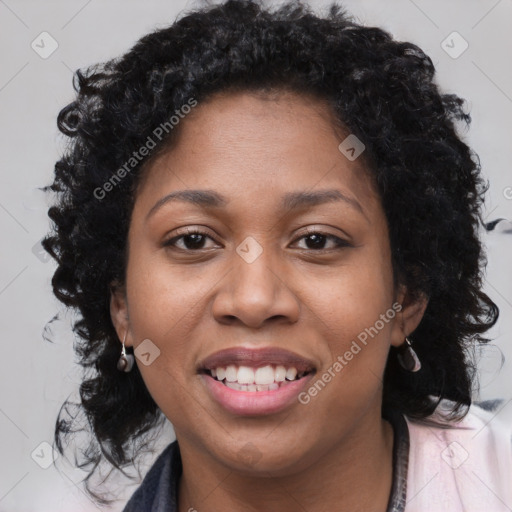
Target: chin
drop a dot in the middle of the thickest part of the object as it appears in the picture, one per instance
(262, 457)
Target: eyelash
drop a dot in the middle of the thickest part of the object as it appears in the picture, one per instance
(340, 243)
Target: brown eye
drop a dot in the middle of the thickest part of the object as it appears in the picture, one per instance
(317, 241)
(193, 241)
(190, 241)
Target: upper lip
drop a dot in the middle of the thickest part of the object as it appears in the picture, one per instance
(242, 356)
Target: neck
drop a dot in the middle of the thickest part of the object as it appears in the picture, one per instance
(356, 473)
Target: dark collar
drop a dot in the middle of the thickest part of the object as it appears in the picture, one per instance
(398, 494)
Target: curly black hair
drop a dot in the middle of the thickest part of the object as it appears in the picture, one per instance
(379, 89)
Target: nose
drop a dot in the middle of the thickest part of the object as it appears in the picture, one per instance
(254, 294)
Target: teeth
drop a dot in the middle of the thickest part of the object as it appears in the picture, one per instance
(231, 373)
(221, 373)
(246, 378)
(291, 373)
(280, 373)
(264, 375)
(245, 375)
(252, 387)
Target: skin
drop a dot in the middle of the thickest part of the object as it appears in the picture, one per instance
(311, 299)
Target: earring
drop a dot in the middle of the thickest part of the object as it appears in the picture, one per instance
(408, 358)
(125, 362)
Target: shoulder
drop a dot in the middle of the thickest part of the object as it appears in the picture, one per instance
(461, 465)
(157, 490)
(481, 424)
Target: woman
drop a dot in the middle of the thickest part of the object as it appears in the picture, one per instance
(269, 227)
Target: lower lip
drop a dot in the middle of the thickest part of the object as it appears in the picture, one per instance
(255, 402)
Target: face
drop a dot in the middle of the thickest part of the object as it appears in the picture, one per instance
(280, 264)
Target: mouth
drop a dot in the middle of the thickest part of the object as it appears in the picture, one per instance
(252, 382)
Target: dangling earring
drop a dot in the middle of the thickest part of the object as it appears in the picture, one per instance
(125, 362)
(408, 358)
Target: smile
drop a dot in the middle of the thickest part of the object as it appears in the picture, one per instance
(255, 382)
(265, 378)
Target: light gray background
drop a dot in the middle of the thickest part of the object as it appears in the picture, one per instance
(36, 375)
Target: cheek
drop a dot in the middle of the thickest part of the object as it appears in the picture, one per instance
(351, 298)
(163, 299)
(355, 306)
(164, 306)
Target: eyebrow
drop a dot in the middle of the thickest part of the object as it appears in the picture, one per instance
(296, 200)
(290, 201)
(204, 198)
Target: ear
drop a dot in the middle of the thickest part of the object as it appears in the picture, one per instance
(119, 312)
(409, 316)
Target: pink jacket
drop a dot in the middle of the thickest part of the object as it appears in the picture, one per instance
(463, 468)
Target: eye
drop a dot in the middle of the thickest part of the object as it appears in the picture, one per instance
(196, 240)
(192, 240)
(316, 240)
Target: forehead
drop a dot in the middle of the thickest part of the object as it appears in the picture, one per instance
(258, 145)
